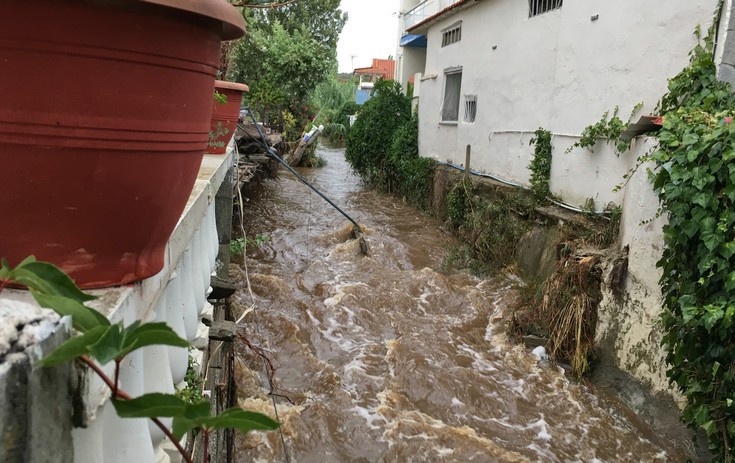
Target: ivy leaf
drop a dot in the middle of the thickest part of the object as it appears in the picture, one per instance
(137, 336)
(83, 318)
(711, 241)
(712, 315)
(709, 427)
(689, 228)
(730, 281)
(728, 250)
(690, 139)
(702, 199)
(74, 347)
(689, 310)
(151, 406)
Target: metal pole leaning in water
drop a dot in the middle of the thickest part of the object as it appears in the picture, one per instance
(271, 152)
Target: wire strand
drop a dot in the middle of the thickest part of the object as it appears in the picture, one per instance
(252, 306)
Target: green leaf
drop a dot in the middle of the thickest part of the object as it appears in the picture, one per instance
(711, 240)
(137, 336)
(712, 315)
(730, 281)
(690, 139)
(689, 228)
(51, 280)
(74, 347)
(728, 250)
(193, 417)
(109, 346)
(242, 420)
(702, 199)
(151, 406)
(710, 427)
(83, 318)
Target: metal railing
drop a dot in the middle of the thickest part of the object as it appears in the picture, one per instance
(424, 10)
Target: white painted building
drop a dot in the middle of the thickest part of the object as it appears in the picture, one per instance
(493, 71)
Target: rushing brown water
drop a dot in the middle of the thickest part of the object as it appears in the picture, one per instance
(387, 359)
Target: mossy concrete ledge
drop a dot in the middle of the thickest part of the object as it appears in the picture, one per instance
(63, 414)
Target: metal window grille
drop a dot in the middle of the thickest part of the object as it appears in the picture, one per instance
(537, 7)
(470, 108)
(452, 35)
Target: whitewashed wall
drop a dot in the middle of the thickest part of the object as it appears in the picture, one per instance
(560, 71)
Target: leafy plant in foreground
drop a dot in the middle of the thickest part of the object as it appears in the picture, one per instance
(100, 342)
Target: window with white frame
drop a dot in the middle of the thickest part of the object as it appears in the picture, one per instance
(537, 7)
(452, 88)
(452, 34)
(470, 108)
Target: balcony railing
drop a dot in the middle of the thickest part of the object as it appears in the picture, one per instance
(424, 10)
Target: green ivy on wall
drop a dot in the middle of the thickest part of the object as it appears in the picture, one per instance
(540, 165)
(695, 182)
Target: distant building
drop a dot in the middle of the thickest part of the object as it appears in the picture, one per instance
(380, 69)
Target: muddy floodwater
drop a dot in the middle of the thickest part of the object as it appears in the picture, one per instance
(387, 358)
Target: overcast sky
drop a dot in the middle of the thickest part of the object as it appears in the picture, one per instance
(371, 32)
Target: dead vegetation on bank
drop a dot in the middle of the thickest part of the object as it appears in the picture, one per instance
(563, 311)
(560, 311)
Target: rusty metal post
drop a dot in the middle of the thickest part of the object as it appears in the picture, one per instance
(468, 155)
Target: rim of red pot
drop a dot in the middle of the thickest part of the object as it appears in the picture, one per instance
(224, 84)
(233, 24)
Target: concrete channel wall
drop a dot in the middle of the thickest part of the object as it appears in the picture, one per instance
(63, 414)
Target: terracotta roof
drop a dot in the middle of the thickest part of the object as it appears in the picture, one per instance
(434, 17)
(384, 68)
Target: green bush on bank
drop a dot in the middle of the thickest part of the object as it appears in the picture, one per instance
(370, 138)
(382, 146)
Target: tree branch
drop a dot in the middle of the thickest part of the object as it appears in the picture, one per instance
(120, 394)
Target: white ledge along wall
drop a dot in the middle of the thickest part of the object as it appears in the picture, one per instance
(176, 295)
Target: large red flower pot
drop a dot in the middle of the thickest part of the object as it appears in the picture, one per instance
(225, 115)
(104, 117)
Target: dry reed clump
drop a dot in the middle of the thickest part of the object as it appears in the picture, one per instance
(569, 310)
(562, 311)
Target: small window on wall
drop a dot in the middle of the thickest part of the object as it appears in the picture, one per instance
(537, 7)
(452, 34)
(452, 87)
(470, 108)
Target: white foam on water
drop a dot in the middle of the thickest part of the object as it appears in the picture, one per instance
(478, 360)
(444, 452)
(545, 455)
(370, 416)
(543, 428)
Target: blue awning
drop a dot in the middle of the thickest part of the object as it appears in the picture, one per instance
(413, 40)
